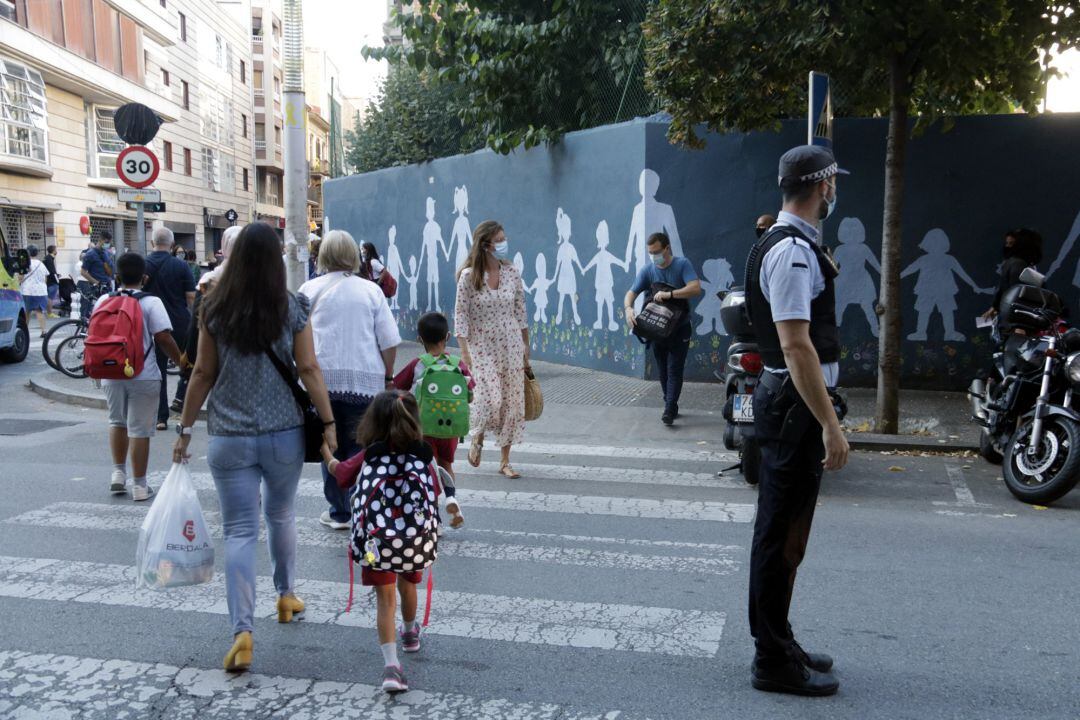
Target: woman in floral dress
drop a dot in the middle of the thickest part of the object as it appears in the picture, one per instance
(490, 324)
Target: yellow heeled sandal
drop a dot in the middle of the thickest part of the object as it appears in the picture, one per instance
(287, 606)
(239, 657)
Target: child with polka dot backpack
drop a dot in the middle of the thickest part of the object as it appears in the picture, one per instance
(395, 519)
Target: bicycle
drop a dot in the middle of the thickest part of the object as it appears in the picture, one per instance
(71, 329)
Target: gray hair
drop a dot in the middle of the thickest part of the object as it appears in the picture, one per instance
(228, 239)
(163, 237)
(338, 251)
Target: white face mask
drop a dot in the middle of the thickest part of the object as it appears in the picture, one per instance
(501, 250)
(830, 205)
(657, 258)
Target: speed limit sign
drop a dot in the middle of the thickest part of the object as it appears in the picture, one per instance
(137, 166)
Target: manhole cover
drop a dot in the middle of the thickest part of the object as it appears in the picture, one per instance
(29, 427)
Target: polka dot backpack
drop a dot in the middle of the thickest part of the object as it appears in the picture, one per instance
(395, 510)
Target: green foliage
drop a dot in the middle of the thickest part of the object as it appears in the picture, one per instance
(528, 71)
(743, 64)
(412, 120)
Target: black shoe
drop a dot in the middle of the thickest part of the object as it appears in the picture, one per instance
(815, 661)
(667, 418)
(794, 678)
(177, 406)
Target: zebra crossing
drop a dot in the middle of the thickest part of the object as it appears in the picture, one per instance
(574, 558)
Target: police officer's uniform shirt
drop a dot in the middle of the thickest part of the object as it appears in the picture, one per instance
(791, 278)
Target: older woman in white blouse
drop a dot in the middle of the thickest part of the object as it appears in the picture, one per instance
(356, 339)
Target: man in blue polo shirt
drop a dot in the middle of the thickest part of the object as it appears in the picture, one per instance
(96, 272)
(670, 354)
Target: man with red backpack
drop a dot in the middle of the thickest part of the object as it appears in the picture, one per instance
(124, 328)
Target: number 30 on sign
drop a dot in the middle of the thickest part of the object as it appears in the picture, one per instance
(137, 166)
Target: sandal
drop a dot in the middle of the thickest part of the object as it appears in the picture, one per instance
(507, 471)
(475, 450)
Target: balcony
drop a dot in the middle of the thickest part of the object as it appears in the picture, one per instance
(314, 194)
(319, 166)
(257, 44)
(260, 97)
(260, 149)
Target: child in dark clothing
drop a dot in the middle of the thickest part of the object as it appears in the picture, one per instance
(433, 331)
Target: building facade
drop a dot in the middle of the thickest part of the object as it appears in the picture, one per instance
(266, 45)
(68, 64)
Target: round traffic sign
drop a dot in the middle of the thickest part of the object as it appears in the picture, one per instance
(137, 166)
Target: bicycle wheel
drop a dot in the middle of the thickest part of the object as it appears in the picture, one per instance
(69, 356)
(56, 335)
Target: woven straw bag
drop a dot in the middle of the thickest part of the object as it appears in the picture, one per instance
(534, 399)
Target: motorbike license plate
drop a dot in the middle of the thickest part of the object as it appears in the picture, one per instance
(742, 409)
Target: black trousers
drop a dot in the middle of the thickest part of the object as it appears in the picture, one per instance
(791, 454)
(670, 357)
(181, 388)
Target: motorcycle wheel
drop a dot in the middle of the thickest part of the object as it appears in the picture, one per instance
(989, 452)
(1051, 472)
(751, 461)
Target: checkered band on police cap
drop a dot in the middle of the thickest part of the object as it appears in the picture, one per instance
(808, 163)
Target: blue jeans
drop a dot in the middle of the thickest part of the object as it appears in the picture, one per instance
(671, 362)
(241, 465)
(347, 416)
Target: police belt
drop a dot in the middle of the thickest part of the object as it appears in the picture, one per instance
(774, 383)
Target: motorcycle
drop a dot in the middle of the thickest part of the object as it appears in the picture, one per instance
(1026, 405)
(739, 377)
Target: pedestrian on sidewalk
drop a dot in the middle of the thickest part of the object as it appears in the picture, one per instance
(445, 373)
(1022, 250)
(670, 354)
(792, 306)
(132, 401)
(493, 333)
(52, 282)
(34, 288)
(256, 427)
(169, 279)
(395, 465)
(356, 340)
(96, 273)
(371, 267)
(763, 223)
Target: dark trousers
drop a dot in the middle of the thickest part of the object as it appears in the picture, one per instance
(791, 454)
(347, 416)
(670, 357)
(162, 362)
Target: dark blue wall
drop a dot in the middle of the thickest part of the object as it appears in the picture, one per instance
(985, 175)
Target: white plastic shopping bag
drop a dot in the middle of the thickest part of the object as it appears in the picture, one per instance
(174, 544)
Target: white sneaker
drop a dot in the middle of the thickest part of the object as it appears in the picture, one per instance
(118, 486)
(140, 493)
(329, 522)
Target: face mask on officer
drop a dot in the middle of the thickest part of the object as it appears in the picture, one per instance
(829, 205)
(759, 231)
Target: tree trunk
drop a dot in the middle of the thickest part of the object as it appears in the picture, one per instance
(888, 387)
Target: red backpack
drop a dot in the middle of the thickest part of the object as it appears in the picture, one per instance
(113, 348)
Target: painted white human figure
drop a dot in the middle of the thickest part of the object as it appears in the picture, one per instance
(412, 280)
(429, 250)
(519, 265)
(539, 289)
(393, 262)
(650, 216)
(461, 234)
(715, 276)
(605, 280)
(855, 285)
(1066, 248)
(565, 279)
(936, 286)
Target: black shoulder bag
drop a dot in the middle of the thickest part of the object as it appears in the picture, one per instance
(658, 321)
(313, 424)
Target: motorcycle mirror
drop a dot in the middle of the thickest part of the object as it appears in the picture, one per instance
(1031, 276)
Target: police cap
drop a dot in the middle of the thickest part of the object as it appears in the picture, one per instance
(807, 163)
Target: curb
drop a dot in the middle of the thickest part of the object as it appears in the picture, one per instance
(49, 391)
(905, 443)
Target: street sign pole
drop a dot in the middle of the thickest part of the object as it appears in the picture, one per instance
(141, 230)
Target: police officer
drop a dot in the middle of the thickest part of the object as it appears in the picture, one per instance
(789, 280)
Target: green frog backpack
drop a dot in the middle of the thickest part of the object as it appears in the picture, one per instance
(443, 395)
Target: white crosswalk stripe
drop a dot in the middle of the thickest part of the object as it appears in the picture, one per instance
(71, 686)
(635, 476)
(128, 518)
(604, 626)
(631, 453)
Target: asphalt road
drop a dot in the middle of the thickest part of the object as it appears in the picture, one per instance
(609, 582)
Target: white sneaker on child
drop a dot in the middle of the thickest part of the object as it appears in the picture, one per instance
(118, 485)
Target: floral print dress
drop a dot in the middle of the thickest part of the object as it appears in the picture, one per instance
(491, 321)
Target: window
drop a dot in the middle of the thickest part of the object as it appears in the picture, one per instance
(165, 77)
(23, 121)
(244, 124)
(216, 113)
(228, 174)
(187, 161)
(243, 72)
(106, 143)
(211, 169)
(183, 27)
(166, 150)
(23, 227)
(7, 10)
(246, 186)
(185, 94)
(272, 195)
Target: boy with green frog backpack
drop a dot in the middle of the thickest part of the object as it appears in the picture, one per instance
(443, 387)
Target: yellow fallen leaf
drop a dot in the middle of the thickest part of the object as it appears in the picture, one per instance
(1040, 507)
(896, 468)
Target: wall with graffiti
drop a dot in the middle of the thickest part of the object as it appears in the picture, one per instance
(577, 216)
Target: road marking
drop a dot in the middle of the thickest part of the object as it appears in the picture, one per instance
(128, 518)
(960, 513)
(630, 453)
(39, 685)
(603, 626)
(635, 476)
(711, 547)
(964, 498)
(663, 509)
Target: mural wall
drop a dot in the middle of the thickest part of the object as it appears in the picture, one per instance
(577, 216)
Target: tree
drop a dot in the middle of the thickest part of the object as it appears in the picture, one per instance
(410, 121)
(742, 64)
(529, 70)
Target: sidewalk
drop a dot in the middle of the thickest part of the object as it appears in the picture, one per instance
(624, 407)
